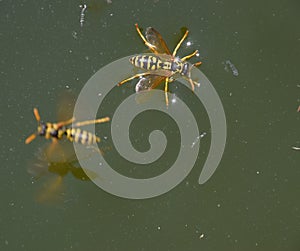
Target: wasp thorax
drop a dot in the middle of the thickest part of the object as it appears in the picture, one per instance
(176, 66)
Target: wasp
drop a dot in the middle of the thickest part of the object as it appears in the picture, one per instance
(163, 65)
(55, 161)
(59, 130)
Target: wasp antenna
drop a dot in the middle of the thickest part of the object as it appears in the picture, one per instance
(36, 114)
(30, 138)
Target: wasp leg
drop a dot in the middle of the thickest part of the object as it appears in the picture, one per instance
(180, 42)
(151, 46)
(90, 122)
(189, 56)
(135, 76)
(166, 91)
(192, 83)
(64, 123)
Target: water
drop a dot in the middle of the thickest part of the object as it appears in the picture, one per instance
(250, 203)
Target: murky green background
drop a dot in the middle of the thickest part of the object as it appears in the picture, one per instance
(250, 203)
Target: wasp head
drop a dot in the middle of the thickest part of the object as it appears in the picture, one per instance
(185, 70)
(42, 128)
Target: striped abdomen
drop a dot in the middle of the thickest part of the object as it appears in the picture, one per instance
(153, 63)
(81, 136)
(148, 62)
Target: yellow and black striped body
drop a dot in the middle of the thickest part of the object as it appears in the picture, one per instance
(162, 62)
(81, 136)
(49, 130)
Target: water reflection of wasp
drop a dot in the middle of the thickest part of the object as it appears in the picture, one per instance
(162, 66)
(52, 163)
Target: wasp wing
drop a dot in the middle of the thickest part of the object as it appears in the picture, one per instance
(144, 86)
(154, 38)
(51, 192)
(149, 82)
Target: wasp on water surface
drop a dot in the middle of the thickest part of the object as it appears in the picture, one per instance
(162, 66)
(59, 158)
(57, 131)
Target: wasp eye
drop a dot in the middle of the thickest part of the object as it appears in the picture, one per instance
(42, 129)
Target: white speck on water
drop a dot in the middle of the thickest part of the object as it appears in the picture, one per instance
(197, 139)
(173, 99)
(74, 34)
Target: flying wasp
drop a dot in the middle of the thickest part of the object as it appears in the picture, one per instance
(162, 66)
(57, 131)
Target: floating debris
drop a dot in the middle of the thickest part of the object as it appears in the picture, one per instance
(232, 67)
(82, 14)
(74, 35)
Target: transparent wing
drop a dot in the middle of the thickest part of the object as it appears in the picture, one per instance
(51, 191)
(65, 105)
(144, 86)
(149, 82)
(154, 38)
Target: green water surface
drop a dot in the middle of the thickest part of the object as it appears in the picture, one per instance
(250, 203)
